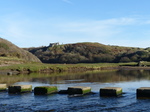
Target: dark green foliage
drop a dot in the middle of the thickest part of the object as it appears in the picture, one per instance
(103, 58)
(125, 59)
(72, 58)
(90, 53)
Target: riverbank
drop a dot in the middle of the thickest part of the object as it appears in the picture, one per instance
(51, 68)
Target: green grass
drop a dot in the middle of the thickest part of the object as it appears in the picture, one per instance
(128, 64)
(37, 67)
(10, 59)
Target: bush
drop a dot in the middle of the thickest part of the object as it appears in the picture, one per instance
(72, 58)
(125, 59)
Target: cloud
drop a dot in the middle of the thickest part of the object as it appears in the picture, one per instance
(64, 31)
(115, 31)
(97, 29)
(119, 21)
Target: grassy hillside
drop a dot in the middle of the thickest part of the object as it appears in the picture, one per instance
(11, 54)
(90, 53)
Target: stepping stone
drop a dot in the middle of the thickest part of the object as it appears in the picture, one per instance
(44, 90)
(63, 92)
(19, 88)
(143, 92)
(3, 87)
(78, 90)
(110, 91)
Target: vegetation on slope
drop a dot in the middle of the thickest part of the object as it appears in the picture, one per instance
(10, 53)
(90, 53)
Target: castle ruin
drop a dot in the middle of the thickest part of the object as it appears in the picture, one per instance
(53, 44)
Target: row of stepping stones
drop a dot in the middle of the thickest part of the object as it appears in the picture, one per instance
(143, 92)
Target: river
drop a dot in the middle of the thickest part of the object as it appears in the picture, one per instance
(128, 80)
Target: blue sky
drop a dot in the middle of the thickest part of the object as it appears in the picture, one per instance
(34, 23)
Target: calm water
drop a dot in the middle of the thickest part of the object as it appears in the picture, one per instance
(128, 80)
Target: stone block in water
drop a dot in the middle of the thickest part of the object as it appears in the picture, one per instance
(44, 90)
(3, 87)
(63, 92)
(143, 92)
(19, 88)
(78, 90)
(110, 91)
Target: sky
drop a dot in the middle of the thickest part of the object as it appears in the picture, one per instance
(34, 23)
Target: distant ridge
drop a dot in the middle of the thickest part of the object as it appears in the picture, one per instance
(88, 52)
(9, 50)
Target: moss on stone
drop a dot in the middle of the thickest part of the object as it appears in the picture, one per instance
(110, 91)
(43, 90)
(19, 88)
(86, 91)
(3, 87)
(78, 90)
(119, 92)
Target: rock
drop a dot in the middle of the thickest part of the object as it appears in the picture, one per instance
(3, 87)
(63, 92)
(44, 90)
(143, 92)
(110, 91)
(78, 90)
(19, 88)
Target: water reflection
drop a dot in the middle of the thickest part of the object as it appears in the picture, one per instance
(102, 77)
(128, 80)
(93, 76)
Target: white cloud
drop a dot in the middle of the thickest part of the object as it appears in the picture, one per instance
(26, 30)
(28, 33)
(117, 31)
(119, 21)
(97, 29)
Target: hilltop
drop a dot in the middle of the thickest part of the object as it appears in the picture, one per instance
(89, 53)
(11, 54)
